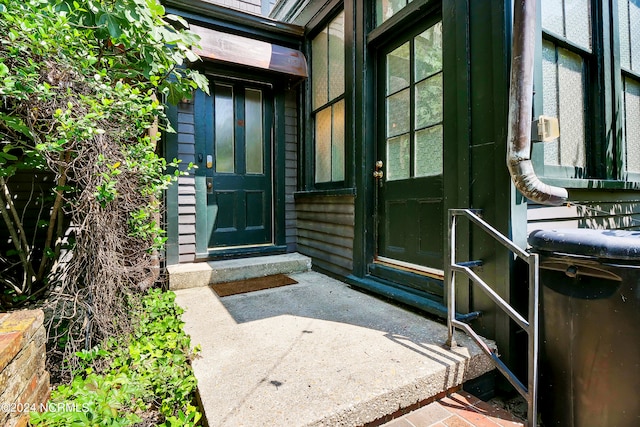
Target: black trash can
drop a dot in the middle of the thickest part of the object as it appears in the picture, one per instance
(589, 327)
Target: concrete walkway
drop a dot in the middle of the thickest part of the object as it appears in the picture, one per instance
(316, 353)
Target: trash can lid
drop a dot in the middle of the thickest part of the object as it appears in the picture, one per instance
(608, 244)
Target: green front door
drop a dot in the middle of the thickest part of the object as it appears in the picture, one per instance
(410, 151)
(238, 166)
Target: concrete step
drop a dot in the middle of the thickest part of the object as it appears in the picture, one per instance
(317, 353)
(198, 274)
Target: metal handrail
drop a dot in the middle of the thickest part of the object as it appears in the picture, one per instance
(530, 325)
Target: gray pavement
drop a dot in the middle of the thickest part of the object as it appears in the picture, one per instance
(317, 353)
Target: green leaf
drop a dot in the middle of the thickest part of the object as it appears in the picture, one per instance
(113, 25)
(178, 19)
(16, 124)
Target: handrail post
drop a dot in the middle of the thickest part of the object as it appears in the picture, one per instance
(530, 325)
(450, 281)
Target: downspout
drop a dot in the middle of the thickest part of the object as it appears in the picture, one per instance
(520, 108)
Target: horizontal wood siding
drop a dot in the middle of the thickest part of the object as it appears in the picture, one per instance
(326, 231)
(186, 185)
(291, 172)
(623, 213)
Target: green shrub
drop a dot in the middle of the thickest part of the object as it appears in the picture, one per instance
(149, 374)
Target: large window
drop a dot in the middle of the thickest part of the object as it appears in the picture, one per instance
(328, 105)
(566, 52)
(629, 31)
(598, 110)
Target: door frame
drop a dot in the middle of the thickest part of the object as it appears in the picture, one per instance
(217, 179)
(457, 132)
(278, 245)
(407, 35)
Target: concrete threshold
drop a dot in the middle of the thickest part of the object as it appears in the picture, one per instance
(198, 274)
(317, 353)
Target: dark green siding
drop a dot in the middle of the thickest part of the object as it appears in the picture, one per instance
(326, 231)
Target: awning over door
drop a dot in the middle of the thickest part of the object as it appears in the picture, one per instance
(240, 50)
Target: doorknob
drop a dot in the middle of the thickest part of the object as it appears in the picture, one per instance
(378, 172)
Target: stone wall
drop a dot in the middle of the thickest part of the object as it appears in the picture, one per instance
(24, 383)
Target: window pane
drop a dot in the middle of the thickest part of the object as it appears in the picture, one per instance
(428, 151)
(253, 131)
(224, 138)
(568, 18)
(578, 22)
(398, 69)
(623, 22)
(337, 142)
(632, 124)
(385, 9)
(398, 163)
(429, 102)
(428, 52)
(552, 16)
(634, 31)
(319, 69)
(571, 106)
(336, 57)
(398, 113)
(564, 97)
(323, 145)
(550, 97)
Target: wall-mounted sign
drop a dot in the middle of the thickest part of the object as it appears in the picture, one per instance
(253, 53)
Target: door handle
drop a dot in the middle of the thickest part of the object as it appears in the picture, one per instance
(377, 173)
(209, 185)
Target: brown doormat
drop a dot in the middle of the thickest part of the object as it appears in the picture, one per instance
(250, 285)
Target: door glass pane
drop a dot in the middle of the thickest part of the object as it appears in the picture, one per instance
(398, 113)
(319, 69)
(385, 9)
(632, 124)
(337, 142)
(571, 106)
(578, 22)
(398, 161)
(428, 151)
(336, 57)
(429, 102)
(428, 52)
(224, 135)
(253, 131)
(398, 69)
(323, 145)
